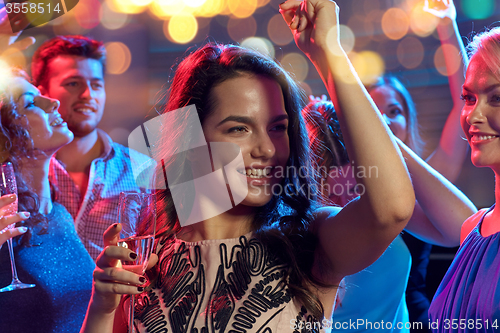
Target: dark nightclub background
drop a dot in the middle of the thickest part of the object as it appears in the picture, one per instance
(145, 38)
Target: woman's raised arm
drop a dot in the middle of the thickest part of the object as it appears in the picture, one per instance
(451, 152)
(357, 235)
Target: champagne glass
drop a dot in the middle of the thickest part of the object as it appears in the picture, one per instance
(8, 186)
(137, 215)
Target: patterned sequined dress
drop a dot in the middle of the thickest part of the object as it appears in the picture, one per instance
(229, 285)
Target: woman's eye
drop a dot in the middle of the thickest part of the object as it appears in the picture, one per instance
(280, 128)
(468, 99)
(495, 99)
(395, 112)
(72, 84)
(237, 129)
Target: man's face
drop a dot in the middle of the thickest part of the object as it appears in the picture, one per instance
(78, 83)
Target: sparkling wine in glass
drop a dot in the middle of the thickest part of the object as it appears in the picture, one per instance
(137, 215)
(8, 185)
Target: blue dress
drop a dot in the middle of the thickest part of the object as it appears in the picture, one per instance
(62, 270)
(374, 299)
(470, 290)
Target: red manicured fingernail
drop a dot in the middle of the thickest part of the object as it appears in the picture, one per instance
(133, 255)
(140, 288)
(142, 279)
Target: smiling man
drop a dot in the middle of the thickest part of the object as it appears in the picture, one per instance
(96, 169)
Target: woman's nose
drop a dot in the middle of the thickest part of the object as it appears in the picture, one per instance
(476, 114)
(49, 104)
(263, 148)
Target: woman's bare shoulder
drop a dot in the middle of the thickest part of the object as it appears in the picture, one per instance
(471, 223)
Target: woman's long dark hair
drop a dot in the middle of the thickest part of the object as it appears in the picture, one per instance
(325, 137)
(283, 224)
(16, 143)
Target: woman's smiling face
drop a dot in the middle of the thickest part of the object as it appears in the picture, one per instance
(249, 111)
(480, 117)
(45, 125)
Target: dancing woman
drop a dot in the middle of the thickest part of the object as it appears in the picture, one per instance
(470, 288)
(274, 261)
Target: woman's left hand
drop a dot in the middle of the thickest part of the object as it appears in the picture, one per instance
(441, 8)
(314, 24)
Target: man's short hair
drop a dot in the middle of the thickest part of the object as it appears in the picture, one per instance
(79, 46)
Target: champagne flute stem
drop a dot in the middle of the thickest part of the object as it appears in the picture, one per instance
(131, 314)
(12, 261)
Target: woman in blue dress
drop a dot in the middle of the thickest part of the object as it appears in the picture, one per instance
(49, 254)
(468, 298)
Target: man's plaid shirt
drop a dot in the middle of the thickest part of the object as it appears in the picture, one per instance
(109, 175)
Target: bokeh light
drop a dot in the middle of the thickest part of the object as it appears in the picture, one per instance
(347, 38)
(297, 64)
(410, 52)
(15, 56)
(118, 57)
(447, 68)
(242, 8)
(259, 44)
(278, 31)
(182, 28)
(194, 3)
(141, 3)
(261, 3)
(395, 23)
(165, 9)
(125, 6)
(478, 9)
(210, 8)
(369, 65)
(5, 74)
(421, 22)
(408, 5)
(110, 19)
(240, 29)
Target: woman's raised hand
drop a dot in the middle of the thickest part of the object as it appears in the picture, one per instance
(110, 279)
(441, 8)
(314, 24)
(6, 219)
